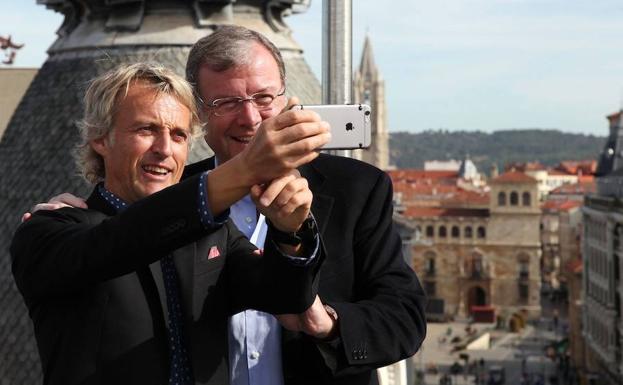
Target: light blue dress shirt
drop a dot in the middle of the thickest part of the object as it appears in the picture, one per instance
(254, 336)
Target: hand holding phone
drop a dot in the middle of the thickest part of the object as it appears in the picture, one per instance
(350, 124)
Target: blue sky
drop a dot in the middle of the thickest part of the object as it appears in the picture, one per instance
(453, 64)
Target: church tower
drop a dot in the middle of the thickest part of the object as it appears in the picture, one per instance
(369, 88)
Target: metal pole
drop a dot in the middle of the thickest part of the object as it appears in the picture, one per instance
(337, 55)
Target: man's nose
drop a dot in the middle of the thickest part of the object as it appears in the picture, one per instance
(249, 116)
(162, 144)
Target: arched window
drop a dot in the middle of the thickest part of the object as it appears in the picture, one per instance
(443, 232)
(429, 268)
(524, 266)
(514, 198)
(525, 199)
(430, 231)
(501, 198)
(477, 266)
(482, 233)
(468, 232)
(455, 232)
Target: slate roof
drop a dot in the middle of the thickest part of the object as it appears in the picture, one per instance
(35, 164)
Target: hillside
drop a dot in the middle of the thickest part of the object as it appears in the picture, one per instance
(410, 150)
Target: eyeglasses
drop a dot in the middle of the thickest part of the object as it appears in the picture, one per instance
(262, 101)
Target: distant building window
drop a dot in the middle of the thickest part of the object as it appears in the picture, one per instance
(455, 232)
(502, 199)
(430, 288)
(430, 231)
(430, 265)
(482, 233)
(477, 266)
(524, 269)
(525, 199)
(524, 291)
(468, 232)
(514, 200)
(443, 232)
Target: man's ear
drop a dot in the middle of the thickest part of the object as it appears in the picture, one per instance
(100, 145)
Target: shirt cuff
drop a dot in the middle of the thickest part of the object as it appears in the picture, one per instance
(207, 219)
(308, 257)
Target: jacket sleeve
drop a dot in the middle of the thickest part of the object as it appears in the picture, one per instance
(269, 282)
(64, 250)
(386, 321)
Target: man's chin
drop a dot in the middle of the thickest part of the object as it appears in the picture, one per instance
(153, 188)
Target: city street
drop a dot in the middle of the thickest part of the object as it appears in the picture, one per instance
(521, 356)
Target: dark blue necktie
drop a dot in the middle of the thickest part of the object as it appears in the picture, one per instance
(179, 373)
(180, 368)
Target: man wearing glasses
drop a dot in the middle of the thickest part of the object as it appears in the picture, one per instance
(370, 309)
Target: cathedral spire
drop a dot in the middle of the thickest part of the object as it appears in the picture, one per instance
(367, 68)
(369, 88)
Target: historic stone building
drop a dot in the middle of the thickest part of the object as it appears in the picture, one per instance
(474, 249)
(369, 88)
(602, 322)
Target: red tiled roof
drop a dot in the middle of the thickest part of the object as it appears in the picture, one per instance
(416, 175)
(574, 266)
(469, 197)
(432, 212)
(578, 167)
(524, 166)
(557, 205)
(576, 188)
(514, 177)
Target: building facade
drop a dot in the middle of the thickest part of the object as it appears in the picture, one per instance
(474, 249)
(602, 323)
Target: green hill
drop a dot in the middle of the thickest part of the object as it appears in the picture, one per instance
(410, 150)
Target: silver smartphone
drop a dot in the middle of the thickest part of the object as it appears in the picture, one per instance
(350, 124)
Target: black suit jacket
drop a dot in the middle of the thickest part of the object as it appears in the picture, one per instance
(93, 286)
(377, 296)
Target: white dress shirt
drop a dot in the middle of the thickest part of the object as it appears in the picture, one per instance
(254, 336)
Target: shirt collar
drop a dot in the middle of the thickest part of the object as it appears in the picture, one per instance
(111, 198)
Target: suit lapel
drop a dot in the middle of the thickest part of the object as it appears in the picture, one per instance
(156, 272)
(184, 259)
(322, 203)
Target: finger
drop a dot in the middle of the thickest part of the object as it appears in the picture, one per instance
(293, 101)
(26, 217)
(273, 189)
(48, 206)
(292, 117)
(303, 151)
(301, 131)
(299, 203)
(69, 200)
(256, 192)
(290, 190)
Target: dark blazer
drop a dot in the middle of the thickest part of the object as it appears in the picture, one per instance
(93, 286)
(377, 296)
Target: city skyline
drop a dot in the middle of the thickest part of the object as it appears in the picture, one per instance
(455, 65)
